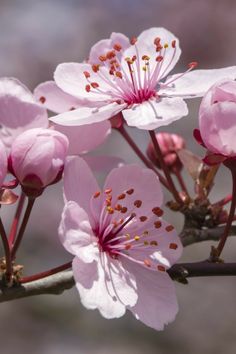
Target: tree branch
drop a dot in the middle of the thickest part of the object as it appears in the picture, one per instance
(56, 284)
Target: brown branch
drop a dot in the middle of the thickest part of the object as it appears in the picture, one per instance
(57, 283)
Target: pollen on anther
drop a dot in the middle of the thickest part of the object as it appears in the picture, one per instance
(86, 74)
(42, 99)
(166, 45)
(169, 228)
(133, 40)
(161, 268)
(94, 84)
(110, 210)
(130, 191)
(157, 224)
(117, 47)
(157, 211)
(137, 238)
(95, 67)
(173, 246)
(143, 218)
(88, 88)
(96, 194)
(138, 203)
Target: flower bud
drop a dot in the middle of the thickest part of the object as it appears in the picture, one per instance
(169, 145)
(217, 122)
(37, 159)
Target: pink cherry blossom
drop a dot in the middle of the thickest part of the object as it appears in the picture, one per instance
(122, 247)
(127, 76)
(217, 121)
(37, 159)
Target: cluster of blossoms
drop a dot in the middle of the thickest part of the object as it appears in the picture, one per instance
(121, 245)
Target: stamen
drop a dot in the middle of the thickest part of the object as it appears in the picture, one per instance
(88, 88)
(117, 47)
(157, 224)
(102, 58)
(169, 228)
(138, 203)
(94, 84)
(130, 191)
(121, 196)
(158, 211)
(143, 218)
(97, 194)
(95, 67)
(161, 268)
(193, 65)
(133, 40)
(147, 262)
(86, 74)
(173, 246)
(42, 99)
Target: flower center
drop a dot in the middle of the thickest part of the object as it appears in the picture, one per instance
(132, 79)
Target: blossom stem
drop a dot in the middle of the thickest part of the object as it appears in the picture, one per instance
(142, 157)
(165, 169)
(22, 227)
(181, 181)
(230, 217)
(223, 201)
(15, 223)
(7, 251)
(46, 273)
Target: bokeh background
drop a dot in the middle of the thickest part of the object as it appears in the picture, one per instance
(35, 36)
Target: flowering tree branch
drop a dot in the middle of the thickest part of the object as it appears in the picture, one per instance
(56, 284)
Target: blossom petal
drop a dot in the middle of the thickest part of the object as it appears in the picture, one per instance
(107, 289)
(80, 186)
(53, 98)
(103, 163)
(145, 45)
(157, 304)
(105, 45)
(13, 87)
(75, 232)
(85, 137)
(153, 114)
(88, 115)
(71, 79)
(144, 183)
(196, 83)
(18, 111)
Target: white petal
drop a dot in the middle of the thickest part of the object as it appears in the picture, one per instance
(153, 114)
(196, 83)
(88, 115)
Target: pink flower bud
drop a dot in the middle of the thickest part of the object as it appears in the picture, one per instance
(217, 122)
(37, 159)
(3, 163)
(169, 145)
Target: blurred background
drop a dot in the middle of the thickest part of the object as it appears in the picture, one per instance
(35, 36)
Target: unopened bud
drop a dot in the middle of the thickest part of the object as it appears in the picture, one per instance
(169, 144)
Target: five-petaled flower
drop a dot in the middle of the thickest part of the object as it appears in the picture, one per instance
(127, 75)
(121, 244)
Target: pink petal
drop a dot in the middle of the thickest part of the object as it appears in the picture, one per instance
(53, 98)
(105, 45)
(85, 137)
(105, 285)
(103, 163)
(145, 45)
(13, 87)
(71, 79)
(75, 232)
(153, 114)
(3, 163)
(157, 303)
(88, 115)
(196, 83)
(145, 184)
(80, 186)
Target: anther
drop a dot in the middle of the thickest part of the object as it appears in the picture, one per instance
(94, 84)
(119, 74)
(42, 99)
(159, 48)
(121, 196)
(138, 203)
(137, 238)
(146, 243)
(110, 210)
(143, 218)
(169, 228)
(88, 88)
(117, 47)
(173, 246)
(118, 207)
(157, 224)
(157, 40)
(159, 58)
(145, 57)
(161, 268)
(96, 194)
(124, 210)
(111, 54)
(130, 191)
(108, 191)
(102, 58)
(147, 262)
(153, 243)
(193, 65)
(133, 40)
(173, 43)
(95, 67)
(86, 74)
(157, 211)
(127, 246)
(166, 45)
